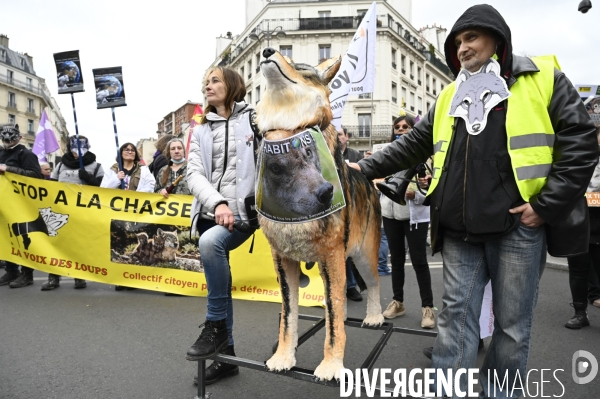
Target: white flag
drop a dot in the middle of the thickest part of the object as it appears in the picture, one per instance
(357, 71)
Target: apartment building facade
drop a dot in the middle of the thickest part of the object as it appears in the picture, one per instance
(24, 96)
(410, 67)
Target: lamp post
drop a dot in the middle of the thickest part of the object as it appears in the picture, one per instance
(277, 31)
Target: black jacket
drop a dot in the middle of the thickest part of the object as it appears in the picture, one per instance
(575, 152)
(157, 164)
(21, 161)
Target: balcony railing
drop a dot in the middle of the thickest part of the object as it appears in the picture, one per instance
(332, 23)
(394, 99)
(12, 105)
(394, 65)
(25, 86)
(357, 132)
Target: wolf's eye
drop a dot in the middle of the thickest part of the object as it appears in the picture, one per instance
(486, 96)
(466, 103)
(275, 169)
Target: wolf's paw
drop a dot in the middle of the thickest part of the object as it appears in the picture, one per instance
(279, 362)
(373, 320)
(329, 369)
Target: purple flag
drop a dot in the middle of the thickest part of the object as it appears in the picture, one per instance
(45, 140)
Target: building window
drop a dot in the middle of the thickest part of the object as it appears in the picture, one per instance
(11, 119)
(2, 54)
(324, 52)
(394, 93)
(30, 126)
(12, 102)
(9, 76)
(419, 75)
(364, 125)
(427, 81)
(412, 70)
(257, 94)
(249, 69)
(286, 51)
(364, 95)
(412, 101)
(394, 58)
(419, 105)
(324, 14)
(434, 87)
(242, 71)
(22, 62)
(30, 106)
(403, 101)
(257, 63)
(428, 105)
(403, 63)
(249, 97)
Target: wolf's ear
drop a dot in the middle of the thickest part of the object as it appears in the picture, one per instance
(328, 68)
(492, 66)
(463, 76)
(159, 231)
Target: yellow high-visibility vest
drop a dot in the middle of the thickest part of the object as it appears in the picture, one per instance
(530, 135)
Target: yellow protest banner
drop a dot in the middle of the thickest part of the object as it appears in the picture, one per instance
(127, 238)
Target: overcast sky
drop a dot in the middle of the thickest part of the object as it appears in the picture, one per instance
(164, 48)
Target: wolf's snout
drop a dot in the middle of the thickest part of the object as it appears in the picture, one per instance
(269, 51)
(325, 193)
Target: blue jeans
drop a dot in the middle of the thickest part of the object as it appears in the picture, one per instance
(214, 245)
(350, 280)
(383, 252)
(514, 263)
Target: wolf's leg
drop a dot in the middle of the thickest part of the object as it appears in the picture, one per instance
(366, 260)
(333, 273)
(288, 272)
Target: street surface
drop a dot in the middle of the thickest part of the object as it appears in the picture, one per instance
(99, 343)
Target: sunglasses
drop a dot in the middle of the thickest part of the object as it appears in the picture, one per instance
(128, 150)
(405, 126)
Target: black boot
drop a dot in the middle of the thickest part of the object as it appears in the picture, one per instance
(9, 277)
(580, 319)
(218, 370)
(24, 279)
(52, 283)
(212, 339)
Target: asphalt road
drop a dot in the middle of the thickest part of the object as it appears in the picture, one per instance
(99, 343)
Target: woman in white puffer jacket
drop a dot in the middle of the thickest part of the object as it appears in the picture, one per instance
(220, 175)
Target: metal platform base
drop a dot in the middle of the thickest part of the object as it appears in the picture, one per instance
(299, 373)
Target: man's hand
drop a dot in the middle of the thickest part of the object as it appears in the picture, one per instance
(354, 166)
(224, 217)
(2, 168)
(410, 195)
(529, 217)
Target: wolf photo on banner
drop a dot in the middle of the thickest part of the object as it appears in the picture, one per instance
(110, 92)
(68, 72)
(298, 180)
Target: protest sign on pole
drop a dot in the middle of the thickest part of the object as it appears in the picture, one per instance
(68, 72)
(110, 93)
(70, 80)
(357, 70)
(45, 140)
(109, 87)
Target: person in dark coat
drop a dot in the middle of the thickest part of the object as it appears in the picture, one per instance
(506, 181)
(159, 160)
(16, 158)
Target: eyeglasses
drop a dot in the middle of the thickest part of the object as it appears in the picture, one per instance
(405, 126)
(128, 150)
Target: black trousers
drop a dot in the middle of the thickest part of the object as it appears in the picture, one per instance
(416, 235)
(579, 272)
